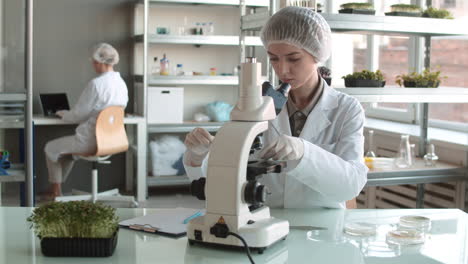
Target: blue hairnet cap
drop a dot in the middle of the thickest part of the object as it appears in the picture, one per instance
(301, 27)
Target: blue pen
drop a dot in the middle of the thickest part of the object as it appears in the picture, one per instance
(195, 215)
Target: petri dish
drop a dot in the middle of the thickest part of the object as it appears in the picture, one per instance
(415, 222)
(405, 237)
(360, 229)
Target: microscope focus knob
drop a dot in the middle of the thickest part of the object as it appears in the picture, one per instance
(197, 188)
(255, 193)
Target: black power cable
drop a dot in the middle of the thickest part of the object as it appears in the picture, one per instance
(246, 247)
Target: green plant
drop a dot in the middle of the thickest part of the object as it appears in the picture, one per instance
(75, 219)
(437, 13)
(424, 79)
(365, 75)
(405, 8)
(365, 6)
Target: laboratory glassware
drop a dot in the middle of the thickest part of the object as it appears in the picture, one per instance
(403, 159)
(430, 159)
(155, 68)
(370, 149)
(413, 154)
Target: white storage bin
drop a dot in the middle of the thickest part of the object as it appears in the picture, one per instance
(165, 105)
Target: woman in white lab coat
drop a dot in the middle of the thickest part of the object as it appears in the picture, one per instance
(107, 89)
(319, 131)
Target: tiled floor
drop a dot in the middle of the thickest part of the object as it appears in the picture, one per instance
(161, 197)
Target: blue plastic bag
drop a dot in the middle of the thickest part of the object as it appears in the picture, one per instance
(219, 111)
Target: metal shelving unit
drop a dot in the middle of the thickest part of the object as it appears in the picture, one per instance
(193, 80)
(393, 25)
(383, 25)
(259, 3)
(183, 127)
(146, 80)
(198, 40)
(16, 173)
(408, 95)
(18, 108)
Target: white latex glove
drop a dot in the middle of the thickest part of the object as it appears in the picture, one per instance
(284, 148)
(198, 143)
(61, 113)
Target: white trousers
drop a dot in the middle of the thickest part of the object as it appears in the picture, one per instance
(59, 157)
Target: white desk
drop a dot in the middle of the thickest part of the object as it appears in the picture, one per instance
(446, 243)
(136, 132)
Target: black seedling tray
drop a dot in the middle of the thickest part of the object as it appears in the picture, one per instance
(364, 83)
(408, 14)
(79, 247)
(357, 11)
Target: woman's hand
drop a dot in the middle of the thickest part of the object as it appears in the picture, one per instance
(284, 148)
(198, 143)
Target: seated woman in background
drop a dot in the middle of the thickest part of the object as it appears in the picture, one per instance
(107, 89)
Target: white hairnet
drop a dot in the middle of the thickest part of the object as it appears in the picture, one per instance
(300, 27)
(105, 53)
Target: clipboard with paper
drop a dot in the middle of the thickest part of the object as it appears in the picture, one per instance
(170, 222)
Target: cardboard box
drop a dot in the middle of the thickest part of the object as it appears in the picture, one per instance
(165, 105)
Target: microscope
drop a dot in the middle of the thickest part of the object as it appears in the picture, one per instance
(234, 196)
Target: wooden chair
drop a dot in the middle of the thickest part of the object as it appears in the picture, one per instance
(111, 138)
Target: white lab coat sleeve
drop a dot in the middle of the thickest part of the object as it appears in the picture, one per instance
(340, 175)
(194, 173)
(84, 107)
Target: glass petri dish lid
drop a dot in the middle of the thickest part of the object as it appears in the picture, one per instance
(360, 229)
(416, 222)
(405, 237)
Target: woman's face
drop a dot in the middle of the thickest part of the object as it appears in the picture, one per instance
(293, 65)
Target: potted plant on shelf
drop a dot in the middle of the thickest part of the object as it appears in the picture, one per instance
(365, 78)
(433, 12)
(325, 73)
(75, 229)
(404, 10)
(426, 79)
(357, 8)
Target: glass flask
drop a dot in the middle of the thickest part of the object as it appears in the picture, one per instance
(403, 159)
(430, 159)
(370, 149)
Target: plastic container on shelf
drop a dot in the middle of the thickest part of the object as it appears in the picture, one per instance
(210, 29)
(164, 63)
(180, 70)
(213, 71)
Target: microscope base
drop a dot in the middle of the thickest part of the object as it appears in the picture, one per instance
(259, 235)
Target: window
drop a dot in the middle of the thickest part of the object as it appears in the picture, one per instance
(448, 4)
(449, 55)
(392, 60)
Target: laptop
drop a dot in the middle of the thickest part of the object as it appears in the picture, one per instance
(54, 102)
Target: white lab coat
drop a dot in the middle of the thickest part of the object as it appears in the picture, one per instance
(332, 169)
(108, 89)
